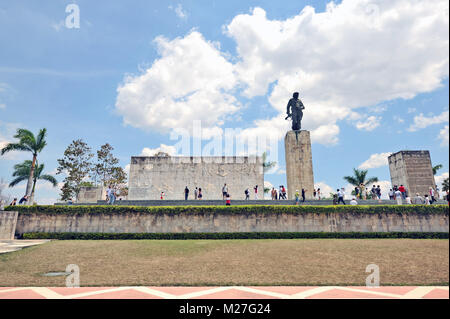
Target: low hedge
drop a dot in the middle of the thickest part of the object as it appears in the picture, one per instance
(247, 209)
(255, 235)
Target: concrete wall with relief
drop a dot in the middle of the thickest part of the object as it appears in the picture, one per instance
(149, 176)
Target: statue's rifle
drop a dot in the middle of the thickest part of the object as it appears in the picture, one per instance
(289, 115)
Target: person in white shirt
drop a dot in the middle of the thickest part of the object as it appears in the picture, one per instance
(427, 200)
(341, 194)
(353, 201)
(408, 200)
(398, 197)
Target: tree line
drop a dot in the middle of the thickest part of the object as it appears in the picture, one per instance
(79, 164)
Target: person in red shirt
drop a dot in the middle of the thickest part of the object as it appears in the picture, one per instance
(403, 191)
(228, 200)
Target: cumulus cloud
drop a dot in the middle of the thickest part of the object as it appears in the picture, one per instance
(341, 58)
(421, 121)
(354, 54)
(443, 136)
(191, 81)
(169, 149)
(369, 124)
(375, 160)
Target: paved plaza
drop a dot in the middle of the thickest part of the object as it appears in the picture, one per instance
(277, 292)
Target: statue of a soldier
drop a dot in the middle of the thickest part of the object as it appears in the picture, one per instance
(295, 109)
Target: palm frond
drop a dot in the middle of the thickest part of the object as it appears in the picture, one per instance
(40, 140)
(14, 147)
(17, 180)
(49, 178)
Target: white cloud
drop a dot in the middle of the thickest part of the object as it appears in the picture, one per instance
(169, 149)
(443, 136)
(7, 132)
(398, 119)
(341, 58)
(348, 57)
(191, 81)
(421, 121)
(412, 110)
(375, 160)
(369, 124)
(182, 14)
(2, 106)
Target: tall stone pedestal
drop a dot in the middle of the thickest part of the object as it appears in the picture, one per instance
(299, 170)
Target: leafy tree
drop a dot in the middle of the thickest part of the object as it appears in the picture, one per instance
(107, 169)
(436, 168)
(76, 163)
(28, 143)
(445, 185)
(267, 166)
(360, 177)
(22, 173)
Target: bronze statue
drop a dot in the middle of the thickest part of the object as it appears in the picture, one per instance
(295, 109)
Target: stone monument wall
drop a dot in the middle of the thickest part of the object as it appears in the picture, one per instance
(412, 169)
(8, 221)
(299, 169)
(149, 176)
(91, 194)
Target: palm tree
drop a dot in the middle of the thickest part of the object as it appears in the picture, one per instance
(359, 178)
(267, 165)
(436, 168)
(28, 143)
(445, 185)
(22, 173)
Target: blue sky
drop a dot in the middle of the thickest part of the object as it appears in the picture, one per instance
(373, 76)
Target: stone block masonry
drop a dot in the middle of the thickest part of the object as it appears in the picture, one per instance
(8, 221)
(413, 170)
(299, 169)
(149, 176)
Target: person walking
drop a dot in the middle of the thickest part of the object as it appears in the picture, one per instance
(398, 197)
(186, 193)
(224, 191)
(297, 197)
(319, 194)
(162, 196)
(314, 194)
(256, 192)
(303, 195)
(111, 195)
(378, 190)
(432, 193)
(391, 194)
(200, 194)
(247, 194)
(341, 195)
(195, 193)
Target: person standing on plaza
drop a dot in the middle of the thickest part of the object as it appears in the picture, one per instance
(314, 194)
(398, 197)
(303, 195)
(340, 194)
(111, 195)
(200, 194)
(227, 200)
(162, 196)
(297, 197)
(256, 191)
(14, 202)
(247, 194)
(427, 200)
(391, 194)
(378, 189)
(195, 193)
(402, 190)
(319, 194)
(186, 193)
(418, 200)
(353, 201)
(224, 191)
(432, 193)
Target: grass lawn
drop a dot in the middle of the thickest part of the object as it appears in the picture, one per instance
(230, 262)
